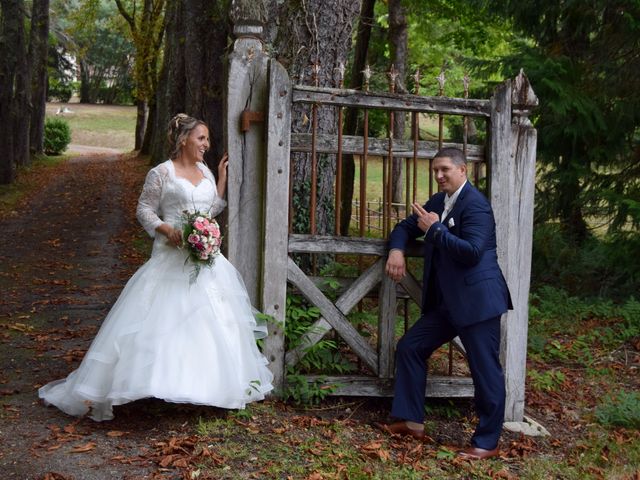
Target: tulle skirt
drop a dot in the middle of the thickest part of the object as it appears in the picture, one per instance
(172, 340)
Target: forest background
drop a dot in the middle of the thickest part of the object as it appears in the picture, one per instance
(582, 59)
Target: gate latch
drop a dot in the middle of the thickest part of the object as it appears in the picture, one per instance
(248, 117)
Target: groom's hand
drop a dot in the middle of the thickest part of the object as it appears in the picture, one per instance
(425, 219)
(396, 266)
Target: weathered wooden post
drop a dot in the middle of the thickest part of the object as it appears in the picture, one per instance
(276, 216)
(246, 103)
(512, 157)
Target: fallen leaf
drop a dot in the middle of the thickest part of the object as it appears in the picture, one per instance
(53, 476)
(87, 447)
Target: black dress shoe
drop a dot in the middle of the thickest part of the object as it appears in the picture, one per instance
(475, 453)
(400, 428)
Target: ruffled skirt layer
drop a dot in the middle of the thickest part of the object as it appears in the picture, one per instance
(172, 340)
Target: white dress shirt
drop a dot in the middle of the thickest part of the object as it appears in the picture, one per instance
(449, 202)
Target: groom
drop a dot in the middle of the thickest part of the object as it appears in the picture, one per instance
(464, 294)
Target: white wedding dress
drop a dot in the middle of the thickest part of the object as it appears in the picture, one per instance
(165, 338)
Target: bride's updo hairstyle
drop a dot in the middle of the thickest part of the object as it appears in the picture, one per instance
(180, 127)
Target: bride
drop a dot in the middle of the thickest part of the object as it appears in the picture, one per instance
(166, 337)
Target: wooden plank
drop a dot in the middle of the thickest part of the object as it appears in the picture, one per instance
(349, 299)
(299, 243)
(391, 101)
(437, 386)
(274, 281)
(412, 287)
(523, 154)
(500, 176)
(333, 316)
(325, 143)
(246, 89)
(342, 284)
(387, 307)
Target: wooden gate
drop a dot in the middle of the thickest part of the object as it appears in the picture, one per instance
(262, 180)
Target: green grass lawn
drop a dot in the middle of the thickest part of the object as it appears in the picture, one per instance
(107, 126)
(374, 179)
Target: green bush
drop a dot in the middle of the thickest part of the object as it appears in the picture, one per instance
(57, 136)
(60, 90)
(621, 409)
(549, 381)
(598, 267)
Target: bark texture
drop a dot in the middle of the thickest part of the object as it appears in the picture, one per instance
(147, 31)
(351, 127)
(38, 54)
(14, 89)
(398, 45)
(192, 76)
(301, 35)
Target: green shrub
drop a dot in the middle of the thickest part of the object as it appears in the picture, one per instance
(305, 392)
(620, 409)
(60, 90)
(598, 267)
(57, 136)
(549, 381)
(553, 310)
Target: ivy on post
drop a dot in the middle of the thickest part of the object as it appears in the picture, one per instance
(245, 106)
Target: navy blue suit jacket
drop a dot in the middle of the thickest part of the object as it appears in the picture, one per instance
(463, 252)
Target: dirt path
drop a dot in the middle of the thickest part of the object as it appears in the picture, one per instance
(64, 257)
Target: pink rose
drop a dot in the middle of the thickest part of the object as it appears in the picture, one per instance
(193, 238)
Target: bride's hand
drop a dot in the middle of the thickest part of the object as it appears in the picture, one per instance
(174, 236)
(222, 174)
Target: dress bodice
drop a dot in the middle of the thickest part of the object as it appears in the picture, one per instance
(165, 196)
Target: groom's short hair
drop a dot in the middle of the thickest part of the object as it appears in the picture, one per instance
(455, 154)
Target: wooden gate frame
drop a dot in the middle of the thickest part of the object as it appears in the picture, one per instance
(258, 132)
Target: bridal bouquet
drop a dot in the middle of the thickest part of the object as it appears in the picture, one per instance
(202, 239)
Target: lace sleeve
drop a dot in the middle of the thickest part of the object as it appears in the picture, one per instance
(149, 202)
(218, 204)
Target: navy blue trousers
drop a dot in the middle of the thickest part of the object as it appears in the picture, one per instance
(482, 344)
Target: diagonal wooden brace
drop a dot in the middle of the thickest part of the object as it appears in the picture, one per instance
(248, 117)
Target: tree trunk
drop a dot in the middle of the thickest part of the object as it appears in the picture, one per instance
(38, 56)
(147, 32)
(398, 46)
(570, 201)
(145, 148)
(85, 82)
(192, 76)
(307, 33)
(11, 17)
(142, 112)
(351, 118)
(206, 41)
(22, 98)
(171, 86)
